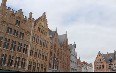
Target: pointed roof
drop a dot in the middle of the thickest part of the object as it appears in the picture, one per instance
(109, 56)
(51, 33)
(61, 38)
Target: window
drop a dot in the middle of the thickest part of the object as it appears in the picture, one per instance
(38, 67)
(40, 42)
(22, 63)
(13, 45)
(25, 49)
(3, 59)
(31, 52)
(21, 35)
(43, 44)
(38, 29)
(19, 47)
(1, 38)
(42, 56)
(34, 66)
(102, 66)
(30, 65)
(45, 58)
(6, 43)
(17, 23)
(42, 67)
(10, 60)
(35, 54)
(33, 39)
(15, 33)
(9, 30)
(17, 60)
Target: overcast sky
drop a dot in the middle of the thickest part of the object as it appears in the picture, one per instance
(91, 24)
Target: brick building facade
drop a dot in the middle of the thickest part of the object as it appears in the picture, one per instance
(102, 62)
(25, 43)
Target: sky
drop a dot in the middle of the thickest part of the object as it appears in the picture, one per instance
(91, 24)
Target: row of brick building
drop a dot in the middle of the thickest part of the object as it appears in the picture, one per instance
(105, 62)
(27, 44)
(83, 66)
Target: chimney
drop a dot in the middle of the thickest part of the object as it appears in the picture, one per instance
(30, 15)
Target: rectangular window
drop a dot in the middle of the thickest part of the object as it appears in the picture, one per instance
(38, 67)
(10, 60)
(9, 30)
(3, 59)
(19, 47)
(15, 33)
(45, 58)
(31, 52)
(30, 65)
(21, 35)
(13, 45)
(33, 39)
(38, 29)
(34, 66)
(6, 43)
(35, 54)
(1, 38)
(25, 49)
(17, 23)
(22, 63)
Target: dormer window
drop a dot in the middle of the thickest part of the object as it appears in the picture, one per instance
(17, 23)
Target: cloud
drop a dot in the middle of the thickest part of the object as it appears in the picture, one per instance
(90, 23)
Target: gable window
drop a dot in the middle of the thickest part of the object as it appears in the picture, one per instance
(17, 23)
(1, 39)
(13, 45)
(19, 47)
(6, 43)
